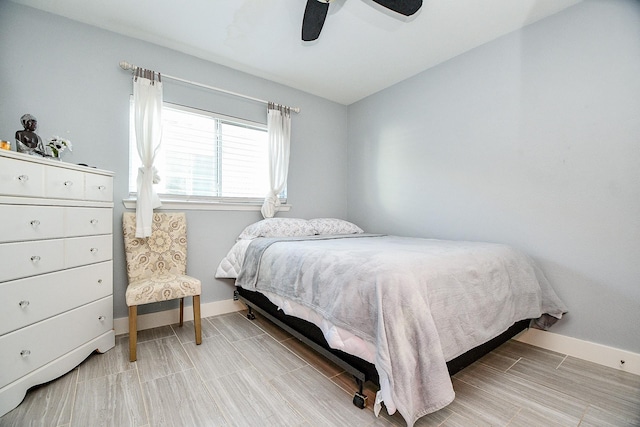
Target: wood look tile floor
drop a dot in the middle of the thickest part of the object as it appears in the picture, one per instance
(251, 373)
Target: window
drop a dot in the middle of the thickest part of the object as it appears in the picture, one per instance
(205, 156)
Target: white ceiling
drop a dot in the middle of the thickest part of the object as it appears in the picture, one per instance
(363, 47)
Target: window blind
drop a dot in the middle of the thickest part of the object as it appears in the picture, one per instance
(206, 155)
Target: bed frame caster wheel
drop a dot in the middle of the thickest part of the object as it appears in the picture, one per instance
(360, 400)
(251, 316)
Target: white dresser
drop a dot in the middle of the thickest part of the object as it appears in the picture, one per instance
(56, 270)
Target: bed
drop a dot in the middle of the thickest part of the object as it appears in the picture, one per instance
(402, 312)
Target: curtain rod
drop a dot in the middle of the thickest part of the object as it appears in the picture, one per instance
(127, 66)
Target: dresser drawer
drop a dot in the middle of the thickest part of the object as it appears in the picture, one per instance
(26, 259)
(32, 258)
(29, 348)
(99, 187)
(33, 222)
(88, 221)
(21, 178)
(30, 300)
(64, 183)
(18, 222)
(87, 250)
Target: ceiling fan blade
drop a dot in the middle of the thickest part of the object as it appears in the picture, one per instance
(314, 15)
(404, 7)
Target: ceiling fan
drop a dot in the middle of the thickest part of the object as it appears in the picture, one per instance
(316, 11)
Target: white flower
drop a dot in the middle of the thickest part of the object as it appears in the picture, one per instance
(58, 145)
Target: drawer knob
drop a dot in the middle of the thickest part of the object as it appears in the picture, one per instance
(23, 304)
(68, 183)
(101, 318)
(23, 178)
(25, 353)
(99, 281)
(93, 250)
(102, 187)
(35, 258)
(35, 223)
(93, 221)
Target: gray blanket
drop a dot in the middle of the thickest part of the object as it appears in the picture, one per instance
(421, 302)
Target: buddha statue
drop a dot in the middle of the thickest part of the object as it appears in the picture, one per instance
(27, 140)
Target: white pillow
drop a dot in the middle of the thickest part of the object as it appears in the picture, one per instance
(278, 227)
(334, 226)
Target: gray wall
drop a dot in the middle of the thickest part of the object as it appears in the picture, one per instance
(532, 140)
(67, 75)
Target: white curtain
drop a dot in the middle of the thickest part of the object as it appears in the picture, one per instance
(279, 129)
(147, 99)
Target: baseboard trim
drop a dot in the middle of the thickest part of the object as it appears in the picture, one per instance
(585, 350)
(169, 317)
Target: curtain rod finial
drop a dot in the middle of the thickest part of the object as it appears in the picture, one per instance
(126, 66)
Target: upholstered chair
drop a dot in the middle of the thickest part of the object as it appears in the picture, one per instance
(156, 267)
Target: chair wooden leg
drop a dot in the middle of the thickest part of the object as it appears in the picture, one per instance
(181, 312)
(133, 332)
(196, 319)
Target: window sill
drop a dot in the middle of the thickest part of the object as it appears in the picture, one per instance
(205, 206)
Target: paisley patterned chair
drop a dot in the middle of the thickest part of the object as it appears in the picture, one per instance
(156, 267)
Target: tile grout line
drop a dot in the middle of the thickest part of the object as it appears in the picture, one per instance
(562, 361)
(291, 351)
(513, 364)
(307, 363)
(144, 400)
(446, 418)
(265, 332)
(195, 368)
(275, 389)
(584, 413)
(140, 382)
(232, 343)
(181, 345)
(74, 396)
(514, 416)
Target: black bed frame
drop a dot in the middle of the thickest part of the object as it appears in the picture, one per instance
(361, 370)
